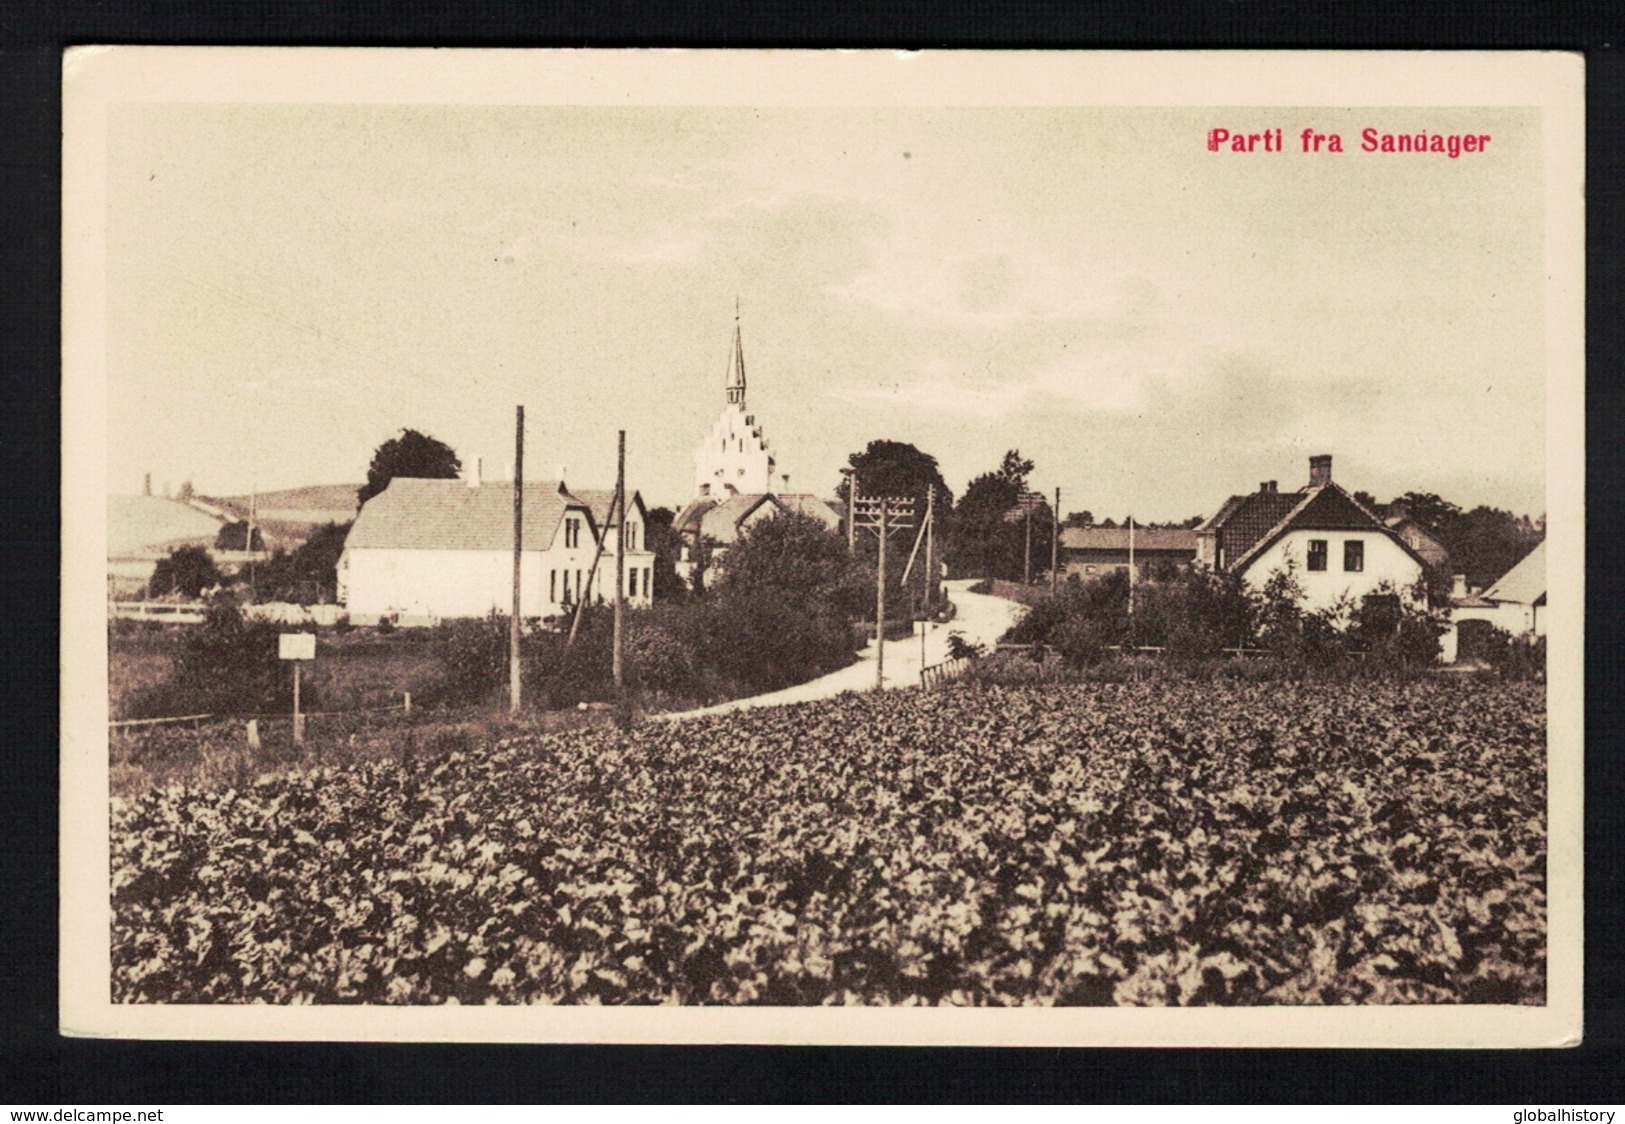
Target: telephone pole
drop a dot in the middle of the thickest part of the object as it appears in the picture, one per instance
(1055, 544)
(518, 556)
(930, 530)
(1027, 559)
(880, 606)
(877, 515)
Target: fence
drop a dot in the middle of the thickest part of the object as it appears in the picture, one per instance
(166, 612)
(935, 675)
(193, 612)
(136, 725)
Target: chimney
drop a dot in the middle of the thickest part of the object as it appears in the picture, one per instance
(1268, 487)
(1458, 586)
(1320, 470)
(472, 473)
(786, 479)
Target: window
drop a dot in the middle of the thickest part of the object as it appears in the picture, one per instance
(1317, 554)
(572, 533)
(631, 536)
(1354, 556)
(631, 583)
(553, 586)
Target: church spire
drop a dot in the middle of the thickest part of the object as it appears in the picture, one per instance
(736, 365)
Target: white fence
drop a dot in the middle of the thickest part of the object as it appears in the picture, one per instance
(194, 612)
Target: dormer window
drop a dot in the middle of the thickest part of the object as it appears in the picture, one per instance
(572, 533)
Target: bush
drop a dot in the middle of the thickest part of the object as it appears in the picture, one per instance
(228, 665)
(472, 656)
(187, 571)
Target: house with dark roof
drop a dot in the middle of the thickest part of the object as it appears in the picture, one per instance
(1433, 552)
(425, 550)
(708, 527)
(1093, 552)
(1331, 543)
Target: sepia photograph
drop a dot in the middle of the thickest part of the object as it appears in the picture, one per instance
(823, 547)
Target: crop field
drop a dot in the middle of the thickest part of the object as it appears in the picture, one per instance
(1098, 844)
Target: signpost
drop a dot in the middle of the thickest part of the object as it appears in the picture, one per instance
(298, 647)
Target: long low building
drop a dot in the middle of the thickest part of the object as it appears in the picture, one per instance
(424, 550)
(1093, 552)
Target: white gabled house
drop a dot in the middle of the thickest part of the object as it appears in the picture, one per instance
(1516, 603)
(425, 550)
(1334, 547)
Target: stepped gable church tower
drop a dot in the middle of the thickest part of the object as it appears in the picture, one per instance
(736, 482)
(734, 458)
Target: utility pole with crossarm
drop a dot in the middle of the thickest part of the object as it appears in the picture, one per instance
(883, 515)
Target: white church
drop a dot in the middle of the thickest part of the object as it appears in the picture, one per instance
(736, 482)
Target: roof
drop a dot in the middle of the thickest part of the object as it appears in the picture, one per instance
(805, 503)
(720, 520)
(1116, 538)
(1525, 583)
(599, 501)
(1222, 516)
(1250, 519)
(1326, 508)
(414, 514)
(139, 525)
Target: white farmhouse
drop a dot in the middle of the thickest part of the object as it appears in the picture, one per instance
(1515, 603)
(1334, 547)
(424, 550)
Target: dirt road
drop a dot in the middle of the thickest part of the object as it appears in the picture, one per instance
(980, 618)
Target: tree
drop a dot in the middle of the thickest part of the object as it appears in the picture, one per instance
(234, 536)
(412, 454)
(309, 574)
(1079, 519)
(898, 470)
(188, 571)
(894, 468)
(1438, 516)
(990, 527)
(800, 562)
(662, 538)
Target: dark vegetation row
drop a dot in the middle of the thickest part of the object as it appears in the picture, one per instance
(1196, 617)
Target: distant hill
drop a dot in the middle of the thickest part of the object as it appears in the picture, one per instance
(149, 526)
(322, 503)
(287, 517)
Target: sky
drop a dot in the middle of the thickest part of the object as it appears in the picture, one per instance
(1157, 326)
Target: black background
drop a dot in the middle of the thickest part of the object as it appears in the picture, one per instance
(39, 1067)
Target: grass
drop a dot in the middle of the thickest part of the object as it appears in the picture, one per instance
(352, 671)
(217, 755)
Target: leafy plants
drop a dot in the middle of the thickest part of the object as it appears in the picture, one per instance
(1379, 841)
